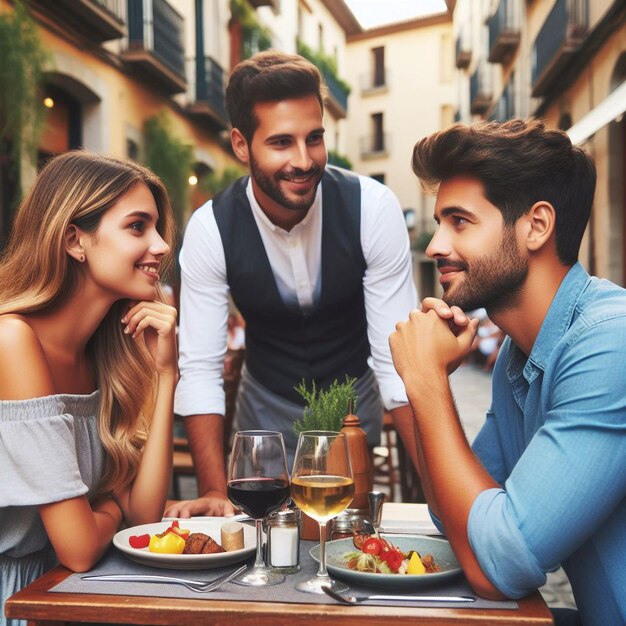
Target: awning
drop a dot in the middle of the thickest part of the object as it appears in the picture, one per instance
(609, 109)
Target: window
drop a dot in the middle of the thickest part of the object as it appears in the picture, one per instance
(565, 121)
(132, 149)
(378, 64)
(378, 135)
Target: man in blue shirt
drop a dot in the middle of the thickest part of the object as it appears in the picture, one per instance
(544, 484)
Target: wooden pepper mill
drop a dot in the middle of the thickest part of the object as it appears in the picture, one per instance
(359, 459)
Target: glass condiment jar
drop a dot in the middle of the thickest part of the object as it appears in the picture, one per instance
(344, 525)
(283, 541)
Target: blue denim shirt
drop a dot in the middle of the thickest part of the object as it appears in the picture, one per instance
(555, 438)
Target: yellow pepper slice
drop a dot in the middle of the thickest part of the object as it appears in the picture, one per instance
(170, 543)
(415, 565)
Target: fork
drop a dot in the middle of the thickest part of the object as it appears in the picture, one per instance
(352, 600)
(199, 586)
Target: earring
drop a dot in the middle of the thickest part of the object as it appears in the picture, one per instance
(82, 258)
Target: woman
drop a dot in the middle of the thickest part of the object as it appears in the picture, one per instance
(87, 362)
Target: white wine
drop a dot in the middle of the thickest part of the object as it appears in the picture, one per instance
(322, 497)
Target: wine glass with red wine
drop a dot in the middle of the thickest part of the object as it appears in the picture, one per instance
(258, 484)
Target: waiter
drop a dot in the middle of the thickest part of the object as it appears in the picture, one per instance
(317, 261)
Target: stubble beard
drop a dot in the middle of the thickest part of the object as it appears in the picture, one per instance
(493, 282)
(271, 187)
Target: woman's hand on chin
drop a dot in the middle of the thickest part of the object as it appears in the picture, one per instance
(156, 322)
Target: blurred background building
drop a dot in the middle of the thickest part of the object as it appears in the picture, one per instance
(146, 78)
(565, 61)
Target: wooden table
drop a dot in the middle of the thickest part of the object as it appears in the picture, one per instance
(42, 608)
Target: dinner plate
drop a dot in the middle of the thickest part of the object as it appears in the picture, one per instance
(208, 526)
(439, 548)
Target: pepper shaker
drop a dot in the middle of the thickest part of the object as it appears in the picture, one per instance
(376, 500)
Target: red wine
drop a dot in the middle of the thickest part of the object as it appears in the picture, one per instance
(258, 497)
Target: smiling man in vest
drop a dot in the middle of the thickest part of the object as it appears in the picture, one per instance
(316, 259)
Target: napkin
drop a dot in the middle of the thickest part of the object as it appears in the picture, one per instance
(409, 518)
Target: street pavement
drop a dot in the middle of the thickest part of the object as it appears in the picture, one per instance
(471, 387)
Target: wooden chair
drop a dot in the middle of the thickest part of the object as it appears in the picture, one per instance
(393, 469)
(384, 459)
(182, 464)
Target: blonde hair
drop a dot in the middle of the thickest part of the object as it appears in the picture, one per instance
(36, 273)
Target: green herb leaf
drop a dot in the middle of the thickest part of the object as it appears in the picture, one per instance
(325, 409)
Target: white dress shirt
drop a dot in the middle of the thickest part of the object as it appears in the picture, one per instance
(295, 258)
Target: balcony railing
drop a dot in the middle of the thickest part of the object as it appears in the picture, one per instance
(206, 90)
(338, 100)
(376, 145)
(274, 4)
(98, 20)
(504, 31)
(155, 43)
(481, 90)
(372, 82)
(558, 40)
(463, 52)
(505, 107)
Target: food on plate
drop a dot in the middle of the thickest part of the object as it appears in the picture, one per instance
(377, 555)
(194, 543)
(177, 540)
(175, 528)
(139, 541)
(231, 536)
(199, 543)
(167, 543)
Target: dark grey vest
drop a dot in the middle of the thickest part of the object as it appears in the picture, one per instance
(283, 345)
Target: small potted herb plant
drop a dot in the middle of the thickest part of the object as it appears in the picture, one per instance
(325, 410)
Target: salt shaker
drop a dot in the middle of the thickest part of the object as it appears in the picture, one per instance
(283, 541)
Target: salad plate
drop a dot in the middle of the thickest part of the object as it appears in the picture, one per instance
(440, 549)
(208, 526)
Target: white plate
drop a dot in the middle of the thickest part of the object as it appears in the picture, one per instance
(439, 548)
(208, 526)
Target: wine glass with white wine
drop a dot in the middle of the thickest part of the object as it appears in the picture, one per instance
(322, 486)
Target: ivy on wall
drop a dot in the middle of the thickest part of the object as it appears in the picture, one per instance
(214, 182)
(255, 37)
(170, 159)
(334, 158)
(22, 61)
(324, 62)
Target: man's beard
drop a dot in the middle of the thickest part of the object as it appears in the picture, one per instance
(493, 282)
(271, 187)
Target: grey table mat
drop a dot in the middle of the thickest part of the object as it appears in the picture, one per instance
(114, 562)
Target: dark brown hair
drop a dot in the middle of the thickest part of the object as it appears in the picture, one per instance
(519, 163)
(269, 77)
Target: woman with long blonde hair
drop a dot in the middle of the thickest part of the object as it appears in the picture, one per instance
(88, 365)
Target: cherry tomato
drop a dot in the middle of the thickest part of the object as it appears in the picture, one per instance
(372, 546)
(394, 559)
